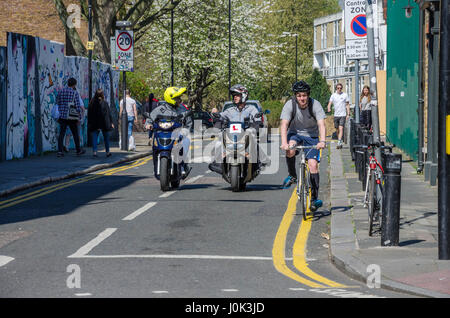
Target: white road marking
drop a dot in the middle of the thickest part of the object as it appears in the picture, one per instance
(209, 171)
(138, 212)
(160, 292)
(83, 251)
(230, 290)
(194, 179)
(5, 260)
(162, 256)
(167, 194)
(297, 289)
(83, 294)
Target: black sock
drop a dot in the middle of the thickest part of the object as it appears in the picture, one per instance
(314, 178)
(291, 166)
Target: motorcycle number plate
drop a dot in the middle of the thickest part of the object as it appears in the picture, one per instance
(235, 128)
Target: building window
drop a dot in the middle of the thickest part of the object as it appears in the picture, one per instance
(315, 39)
(349, 87)
(323, 36)
(336, 33)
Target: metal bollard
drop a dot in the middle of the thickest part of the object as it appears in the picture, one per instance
(352, 137)
(390, 223)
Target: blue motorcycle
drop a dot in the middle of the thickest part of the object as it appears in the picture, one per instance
(168, 151)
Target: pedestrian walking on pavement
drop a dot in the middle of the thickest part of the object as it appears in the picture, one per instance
(99, 119)
(69, 104)
(366, 107)
(131, 115)
(79, 125)
(341, 104)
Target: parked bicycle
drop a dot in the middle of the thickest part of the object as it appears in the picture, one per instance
(374, 185)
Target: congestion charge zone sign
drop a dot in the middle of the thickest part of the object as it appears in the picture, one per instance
(355, 22)
(123, 51)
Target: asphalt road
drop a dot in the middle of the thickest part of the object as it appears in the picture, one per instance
(115, 234)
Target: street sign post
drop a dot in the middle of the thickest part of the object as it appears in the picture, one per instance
(356, 29)
(123, 57)
(124, 53)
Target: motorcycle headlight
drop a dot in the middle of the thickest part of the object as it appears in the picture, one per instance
(231, 146)
(165, 125)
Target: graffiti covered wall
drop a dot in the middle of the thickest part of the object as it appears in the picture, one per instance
(37, 70)
(2, 103)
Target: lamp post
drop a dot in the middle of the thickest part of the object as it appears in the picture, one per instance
(444, 135)
(229, 48)
(296, 52)
(171, 43)
(90, 51)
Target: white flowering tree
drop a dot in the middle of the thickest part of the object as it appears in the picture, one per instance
(201, 48)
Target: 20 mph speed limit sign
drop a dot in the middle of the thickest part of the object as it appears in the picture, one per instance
(123, 54)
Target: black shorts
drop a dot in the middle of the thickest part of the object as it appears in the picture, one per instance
(339, 121)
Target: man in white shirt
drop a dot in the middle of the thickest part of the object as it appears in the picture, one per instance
(131, 112)
(341, 104)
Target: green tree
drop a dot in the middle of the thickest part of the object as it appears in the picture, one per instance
(320, 90)
(136, 83)
(295, 17)
(105, 13)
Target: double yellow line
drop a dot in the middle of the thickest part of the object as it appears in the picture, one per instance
(299, 251)
(47, 190)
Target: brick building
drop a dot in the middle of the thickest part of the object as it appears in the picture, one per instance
(36, 18)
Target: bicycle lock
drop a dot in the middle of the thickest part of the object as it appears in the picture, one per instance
(390, 223)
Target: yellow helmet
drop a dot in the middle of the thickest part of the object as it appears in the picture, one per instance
(173, 92)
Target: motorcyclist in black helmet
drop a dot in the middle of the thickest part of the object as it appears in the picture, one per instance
(239, 112)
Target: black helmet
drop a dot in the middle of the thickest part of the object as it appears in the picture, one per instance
(301, 86)
(239, 89)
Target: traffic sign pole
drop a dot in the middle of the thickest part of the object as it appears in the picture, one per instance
(124, 43)
(124, 130)
(357, 110)
(373, 77)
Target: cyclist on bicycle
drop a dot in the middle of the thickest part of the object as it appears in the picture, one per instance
(305, 125)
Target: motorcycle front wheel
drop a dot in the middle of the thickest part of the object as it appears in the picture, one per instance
(235, 178)
(164, 176)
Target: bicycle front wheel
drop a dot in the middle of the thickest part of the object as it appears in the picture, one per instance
(304, 189)
(371, 200)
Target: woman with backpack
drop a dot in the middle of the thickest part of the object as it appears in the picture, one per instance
(99, 119)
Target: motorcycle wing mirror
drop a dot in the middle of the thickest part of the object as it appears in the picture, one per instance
(146, 114)
(267, 111)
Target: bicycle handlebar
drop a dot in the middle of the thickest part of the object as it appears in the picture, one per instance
(371, 145)
(303, 147)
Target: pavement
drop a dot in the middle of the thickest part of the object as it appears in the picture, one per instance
(22, 174)
(412, 267)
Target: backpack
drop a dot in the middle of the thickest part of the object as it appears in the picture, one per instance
(294, 109)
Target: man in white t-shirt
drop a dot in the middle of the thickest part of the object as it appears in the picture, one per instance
(341, 104)
(131, 112)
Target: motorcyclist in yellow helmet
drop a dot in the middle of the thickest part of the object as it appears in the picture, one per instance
(173, 106)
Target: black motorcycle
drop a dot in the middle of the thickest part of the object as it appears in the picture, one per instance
(240, 163)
